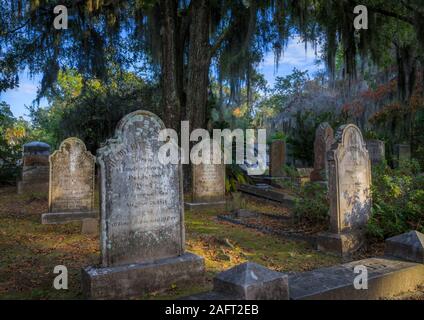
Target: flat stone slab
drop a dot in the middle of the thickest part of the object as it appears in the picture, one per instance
(386, 278)
(193, 206)
(65, 217)
(268, 192)
(138, 279)
(408, 246)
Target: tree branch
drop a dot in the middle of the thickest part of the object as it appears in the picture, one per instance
(386, 13)
(219, 41)
(17, 28)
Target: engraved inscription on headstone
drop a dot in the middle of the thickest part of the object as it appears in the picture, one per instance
(277, 158)
(209, 181)
(349, 181)
(71, 178)
(376, 151)
(141, 198)
(324, 138)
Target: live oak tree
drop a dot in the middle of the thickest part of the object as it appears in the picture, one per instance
(185, 41)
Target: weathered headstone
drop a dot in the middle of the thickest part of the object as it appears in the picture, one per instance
(142, 216)
(71, 187)
(402, 153)
(349, 190)
(376, 151)
(324, 138)
(208, 187)
(277, 158)
(35, 170)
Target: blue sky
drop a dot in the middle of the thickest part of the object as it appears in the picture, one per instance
(294, 57)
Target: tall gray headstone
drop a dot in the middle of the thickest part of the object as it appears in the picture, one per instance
(71, 187)
(376, 150)
(277, 158)
(349, 191)
(35, 170)
(142, 217)
(324, 138)
(402, 153)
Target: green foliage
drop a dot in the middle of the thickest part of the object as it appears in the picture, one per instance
(91, 112)
(278, 136)
(12, 136)
(312, 204)
(302, 136)
(398, 200)
(234, 177)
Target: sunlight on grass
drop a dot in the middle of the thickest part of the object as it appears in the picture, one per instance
(30, 250)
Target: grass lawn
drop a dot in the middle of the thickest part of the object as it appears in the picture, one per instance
(29, 251)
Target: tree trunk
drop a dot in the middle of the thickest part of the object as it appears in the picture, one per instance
(197, 74)
(170, 70)
(198, 65)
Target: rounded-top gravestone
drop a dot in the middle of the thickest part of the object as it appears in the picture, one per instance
(142, 236)
(141, 198)
(71, 187)
(349, 192)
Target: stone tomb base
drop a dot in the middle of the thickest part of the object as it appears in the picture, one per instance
(37, 188)
(194, 206)
(138, 279)
(65, 217)
(90, 220)
(340, 244)
(387, 278)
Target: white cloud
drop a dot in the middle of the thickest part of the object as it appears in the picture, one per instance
(294, 54)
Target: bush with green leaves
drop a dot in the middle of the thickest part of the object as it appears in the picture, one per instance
(398, 200)
(235, 176)
(311, 204)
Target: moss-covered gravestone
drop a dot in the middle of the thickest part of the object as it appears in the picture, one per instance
(142, 236)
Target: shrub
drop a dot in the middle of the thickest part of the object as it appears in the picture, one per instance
(311, 204)
(398, 201)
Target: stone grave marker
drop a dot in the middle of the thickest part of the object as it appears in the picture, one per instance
(71, 187)
(402, 153)
(324, 138)
(349, 191)
(142, 216)
(208, 187)
(277, 158)
(35, 170)
(376, 150)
